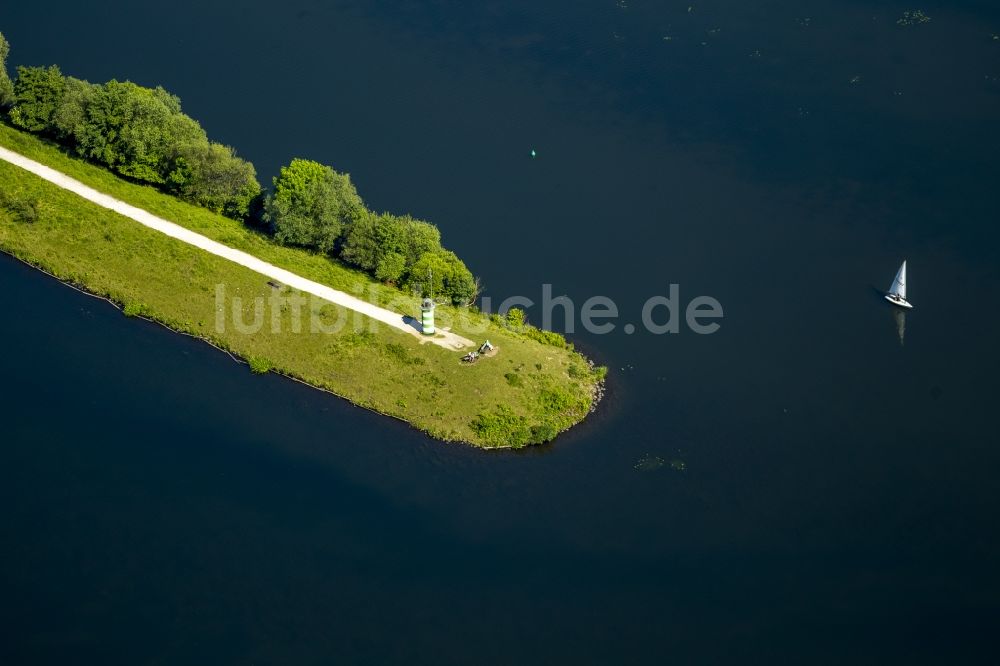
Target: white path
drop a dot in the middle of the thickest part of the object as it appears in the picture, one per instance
(408, 324)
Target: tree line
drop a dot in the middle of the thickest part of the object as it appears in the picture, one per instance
(141, 133)
(315, 207)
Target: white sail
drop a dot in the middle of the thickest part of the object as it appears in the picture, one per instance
(898, 287)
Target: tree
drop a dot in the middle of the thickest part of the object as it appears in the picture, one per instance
(211, 175)
(70, 116)
(38, 92)
(6, 86)
(135, 130)
(460, 285)
(391, 267)
(373, 237)
(142, 133)
(419, 238)
(442, 273)
(361, 242)
(138, 132)
(428, 275)
(312, 205)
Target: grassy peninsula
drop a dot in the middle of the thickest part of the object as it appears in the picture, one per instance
(135, 144)
(532, 389)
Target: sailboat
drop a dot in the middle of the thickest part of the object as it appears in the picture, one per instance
(897, 292)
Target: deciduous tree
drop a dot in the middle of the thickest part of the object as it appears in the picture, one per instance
(38, 92)
(211, 175)
(312, 205)
(6, 85)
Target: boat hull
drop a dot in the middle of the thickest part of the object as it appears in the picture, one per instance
(899, 303)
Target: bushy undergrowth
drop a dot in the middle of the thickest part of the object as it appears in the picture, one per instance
(24, 209)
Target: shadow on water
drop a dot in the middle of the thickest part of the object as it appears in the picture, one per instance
(899, 316)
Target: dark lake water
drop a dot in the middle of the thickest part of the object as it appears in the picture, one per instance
(839, 504)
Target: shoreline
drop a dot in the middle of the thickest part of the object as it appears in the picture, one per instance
(239, 360)
(77, 254)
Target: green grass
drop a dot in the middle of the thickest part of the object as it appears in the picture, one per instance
(160, 278)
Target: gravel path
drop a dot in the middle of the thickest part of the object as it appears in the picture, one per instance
(408, 324)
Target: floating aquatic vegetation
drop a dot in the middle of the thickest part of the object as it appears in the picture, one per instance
(649, 463)
(913, 17)
(804, 22)
(855, 79)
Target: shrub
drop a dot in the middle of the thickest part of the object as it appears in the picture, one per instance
(550, 338)
(433, 380)
(514, 379)
(578, 371)
(22, 209)
(402, 354)
(543, 433)
(259, 365)
(26, 210)
(134, 309)
(515, 319)
(502, 427)
(362, 339)
(559, 401)
(356, 340)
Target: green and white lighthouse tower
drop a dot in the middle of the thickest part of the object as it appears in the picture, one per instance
(427, 316)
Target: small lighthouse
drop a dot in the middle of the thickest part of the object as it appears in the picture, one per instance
(427, 316)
